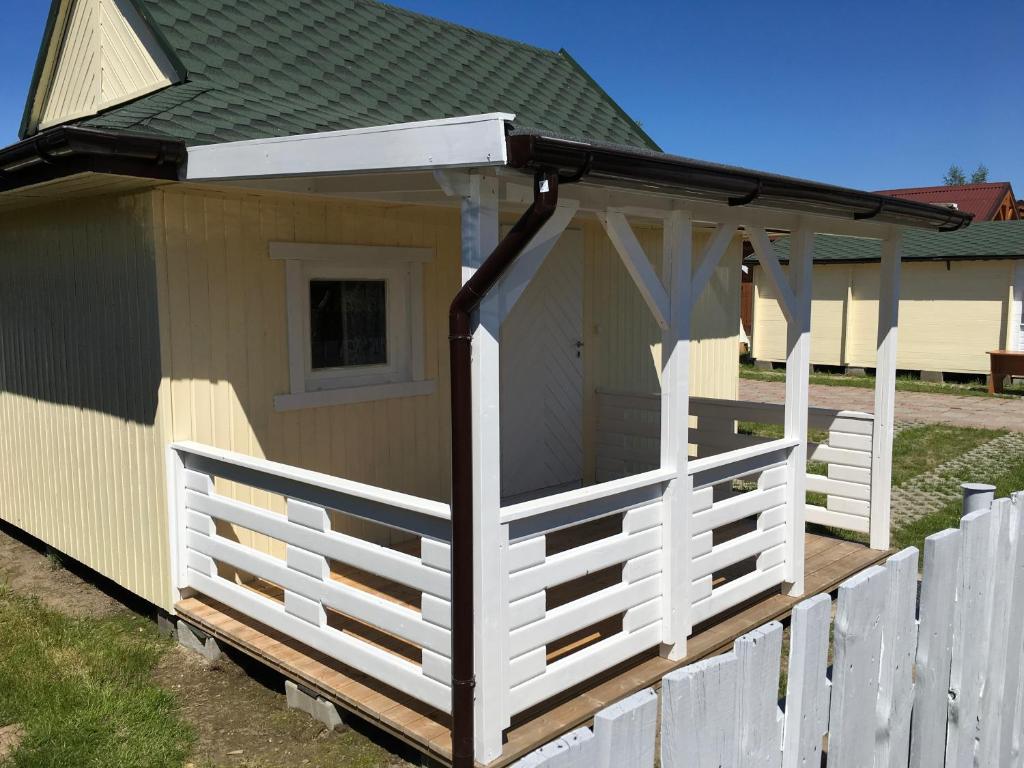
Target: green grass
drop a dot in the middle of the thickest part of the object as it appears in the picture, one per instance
(80, 688)
(903, 383)
(919, 449)
(1008, 480)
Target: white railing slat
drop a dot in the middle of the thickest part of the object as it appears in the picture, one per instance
(735, 592)
(819, 484)
(588, 610)
(329, 483)
(372, 558)
(571, 564)
(735, 550)
(583, 664)
(737, 508)
(822, 516)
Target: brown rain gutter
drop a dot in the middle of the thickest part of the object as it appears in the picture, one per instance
(69, 150)
(466, 301)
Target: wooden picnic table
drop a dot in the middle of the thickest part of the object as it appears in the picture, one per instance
(1004, 363)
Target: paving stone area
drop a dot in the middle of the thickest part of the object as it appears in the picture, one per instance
(933, 490)
(920, 407)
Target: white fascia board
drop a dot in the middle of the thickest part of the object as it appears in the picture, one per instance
(459, 142)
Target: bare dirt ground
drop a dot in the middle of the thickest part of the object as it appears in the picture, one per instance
(236, 706)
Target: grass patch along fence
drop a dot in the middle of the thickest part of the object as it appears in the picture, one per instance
(80, 690)
(904, 383)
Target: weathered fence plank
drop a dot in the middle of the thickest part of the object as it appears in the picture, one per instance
(1006, 532)
(623, 737)
(808, 688)
(759, 738)
(1011, 726)
(625, 732)
(858, 646)
(896, 673)
(704, 693)
(935, 648)
(970, 637)
(574, 750)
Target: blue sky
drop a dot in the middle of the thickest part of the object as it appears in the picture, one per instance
(872, 94)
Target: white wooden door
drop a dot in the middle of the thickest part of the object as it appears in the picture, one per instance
(542, 377)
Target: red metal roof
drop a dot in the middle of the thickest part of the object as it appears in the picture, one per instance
(982, 200)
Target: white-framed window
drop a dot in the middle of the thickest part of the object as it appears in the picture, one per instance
(355, 323)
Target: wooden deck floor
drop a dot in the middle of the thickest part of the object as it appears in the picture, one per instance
(828, 563)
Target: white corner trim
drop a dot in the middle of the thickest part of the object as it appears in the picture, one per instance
(349, 395)
(374, 254)
(458, 142)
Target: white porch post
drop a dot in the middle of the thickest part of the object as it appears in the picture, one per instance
(798, 363)
(885, 389)
(479, 238)
(675, 424)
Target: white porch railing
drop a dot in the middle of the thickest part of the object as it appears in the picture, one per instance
(738, 542)
(584, 584)
(628, 431)
(305, 595)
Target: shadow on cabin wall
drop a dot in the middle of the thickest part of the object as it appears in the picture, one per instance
(79, 321)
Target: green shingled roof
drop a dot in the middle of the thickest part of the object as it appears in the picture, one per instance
(987, 239)
(261, 68)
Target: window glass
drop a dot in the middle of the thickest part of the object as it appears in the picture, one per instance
(348, 323)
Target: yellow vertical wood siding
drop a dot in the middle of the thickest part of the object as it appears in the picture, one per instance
(107, 55)
(75, 85)
(623, 341)
(128, 323)
(81, 445)
(226, 351)
(951, 314)
(133, 62)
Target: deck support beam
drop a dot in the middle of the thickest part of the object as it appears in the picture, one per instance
(480, 234)
(677, 268)
(885, 389)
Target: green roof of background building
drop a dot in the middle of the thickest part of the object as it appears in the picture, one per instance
(986, 239)
(263, 68)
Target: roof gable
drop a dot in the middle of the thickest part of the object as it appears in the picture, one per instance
(96, 54)
(279, 67)
(982, 200)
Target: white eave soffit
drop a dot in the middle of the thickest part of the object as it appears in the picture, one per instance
(473, 141)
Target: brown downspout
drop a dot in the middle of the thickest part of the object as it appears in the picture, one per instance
(545, 199)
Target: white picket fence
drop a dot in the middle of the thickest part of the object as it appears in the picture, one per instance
(924, 674)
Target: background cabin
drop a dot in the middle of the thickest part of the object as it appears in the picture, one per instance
(961, 299)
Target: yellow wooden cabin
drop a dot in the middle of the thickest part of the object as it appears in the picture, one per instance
(344, 354)
(961, 299)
